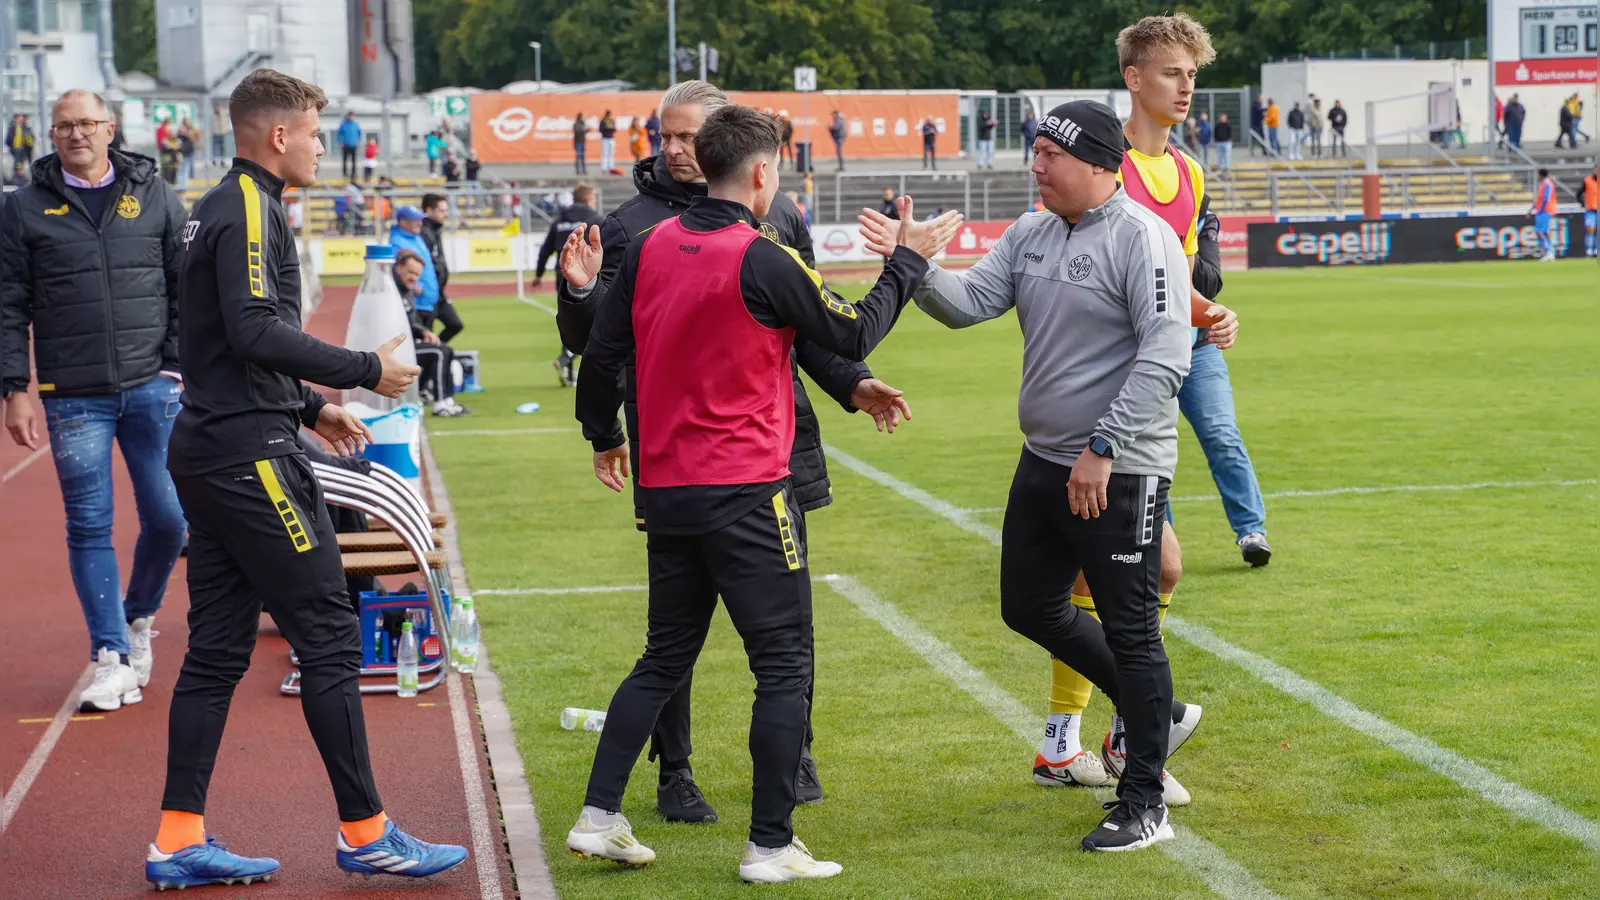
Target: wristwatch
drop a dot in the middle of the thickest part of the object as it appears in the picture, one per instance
(1099, 446)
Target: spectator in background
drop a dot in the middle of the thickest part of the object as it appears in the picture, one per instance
(221, 126)
(1543, 213)
(1191, 136)
(1222, 136)
(786, 135)
(406, 234)
(836, 130)
(1499, 123)
(1297, 131)
(434, 148)
(434, 356)
(171, 158)
(1314, 125)
(607, 127)
(100, 291)
(580, 214)
(1258, 125)
(355, 201)
(163, 133)
(800, 204)
(369, 158)
(930, 138)
(1514, 115)
(1459, 132)
(888, 207)
(1576, 105)
(1337, 120)
(1591, 212)
(1203, 135)
(349, 145)
(580, 143)
(985, 139)
(652, 130)
(1564, 124)
(637, 144)
(1030, 130)
(436, 214)
(186, 139)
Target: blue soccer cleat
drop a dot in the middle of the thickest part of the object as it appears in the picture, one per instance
(208, 863)
(398, 853)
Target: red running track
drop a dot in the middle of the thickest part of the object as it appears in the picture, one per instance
(81, 829)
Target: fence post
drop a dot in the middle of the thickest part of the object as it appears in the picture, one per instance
(1272, 192)
(1472, 192)
(986, 199)
(837, 212)
(966, 191)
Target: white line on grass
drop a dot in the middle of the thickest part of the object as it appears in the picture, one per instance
(1226, 877)
(591, 589)
(534, 303)
(484, 432)
(1508, 795)
(1381, 489)
(41, 751)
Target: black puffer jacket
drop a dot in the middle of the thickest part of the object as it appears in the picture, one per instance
(661, 198)
(102, 297)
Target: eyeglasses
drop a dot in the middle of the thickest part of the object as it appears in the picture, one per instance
(87, 126)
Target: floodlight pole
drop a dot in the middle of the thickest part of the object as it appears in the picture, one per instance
(1371, 187)
(672, 42)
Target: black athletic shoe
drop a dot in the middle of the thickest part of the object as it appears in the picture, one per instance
(566, 372)
(680, 800)
(1255, 549)
(807, 788)
(1128, 828)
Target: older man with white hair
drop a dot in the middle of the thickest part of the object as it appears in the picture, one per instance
(88, 260)
(590, 261)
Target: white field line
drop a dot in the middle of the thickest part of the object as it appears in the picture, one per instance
(1381, 489)
(518, 817)
(26, 462)
(1504, 793)
(12, 801)
(486, 432)
(1226, 877)
(538, 305)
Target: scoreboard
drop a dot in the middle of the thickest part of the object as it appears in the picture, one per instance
(1560, 32)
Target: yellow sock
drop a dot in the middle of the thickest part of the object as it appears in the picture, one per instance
(1164, 601)
(363, 832)
(1069, 691)
(179, 830)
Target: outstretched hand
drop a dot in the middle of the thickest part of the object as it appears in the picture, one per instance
(886, 405)
(581, 256)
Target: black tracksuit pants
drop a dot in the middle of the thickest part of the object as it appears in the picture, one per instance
(444, 312)
(261, 536)
(758, 565)
(1043, 547)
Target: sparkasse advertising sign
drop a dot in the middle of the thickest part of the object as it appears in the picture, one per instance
(1371, 242)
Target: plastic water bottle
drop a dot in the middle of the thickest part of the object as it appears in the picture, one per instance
(380, 314)
(575, 719)
(464, 635)
(406, 671)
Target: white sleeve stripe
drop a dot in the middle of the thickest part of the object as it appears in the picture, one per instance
(1151, 227)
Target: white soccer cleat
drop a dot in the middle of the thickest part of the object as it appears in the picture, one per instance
(614, 842)
(792, 863)
(114, 685)
(139, 655)
(1084, 769)
(1173, 793)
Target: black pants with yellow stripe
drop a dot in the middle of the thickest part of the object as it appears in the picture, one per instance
(758, 566)
(260, 536)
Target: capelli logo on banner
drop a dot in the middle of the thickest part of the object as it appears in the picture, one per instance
(1367, 243)
(1511, 241)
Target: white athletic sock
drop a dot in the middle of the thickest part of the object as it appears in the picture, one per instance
(1060, 738)
(600, 817)
(1117, 739)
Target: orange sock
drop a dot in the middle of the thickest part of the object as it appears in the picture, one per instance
(364, 832)
(179, 830)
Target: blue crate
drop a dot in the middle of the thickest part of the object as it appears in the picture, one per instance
(379, 647)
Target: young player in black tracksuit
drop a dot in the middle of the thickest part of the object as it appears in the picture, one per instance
(260, 534)
(707, 308)
(667, 184)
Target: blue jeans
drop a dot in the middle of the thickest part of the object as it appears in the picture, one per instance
(1206, 399)
(986, 153)
(81, 431)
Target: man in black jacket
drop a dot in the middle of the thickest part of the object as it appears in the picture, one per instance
(667, 184)
(580, 213)
(260, 534)
(89, 257)
(436, 212)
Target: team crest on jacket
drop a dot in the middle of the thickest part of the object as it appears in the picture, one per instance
(770, 232)
(128, 206)
(1079, 268)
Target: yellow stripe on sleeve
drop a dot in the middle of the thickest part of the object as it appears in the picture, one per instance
(834, 304)
(253, 231)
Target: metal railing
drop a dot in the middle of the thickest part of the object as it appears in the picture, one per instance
(327, 212)
(1410, 190)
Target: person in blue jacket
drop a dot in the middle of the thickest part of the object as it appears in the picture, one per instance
(349, 145)
(407, 235)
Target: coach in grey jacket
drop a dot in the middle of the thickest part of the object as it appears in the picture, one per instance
(1101, 288)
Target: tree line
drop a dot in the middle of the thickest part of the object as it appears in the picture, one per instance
(1006, 45)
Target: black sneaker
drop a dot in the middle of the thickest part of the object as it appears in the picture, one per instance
(807, 788)
(1255, 549)
(1128, 828)
(680, 800)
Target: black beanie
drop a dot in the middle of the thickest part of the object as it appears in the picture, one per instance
(1088, 130)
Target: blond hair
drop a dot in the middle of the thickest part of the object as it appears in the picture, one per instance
(1139, 41)
(271, 91)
